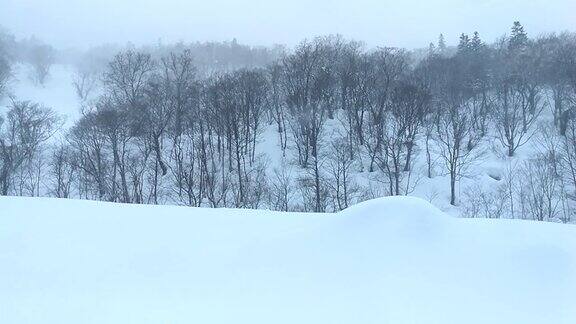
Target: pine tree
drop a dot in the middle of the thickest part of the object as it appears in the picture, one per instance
(441, 44)
(464, 44)
(476, 43)
(519, 38)
(431, 49)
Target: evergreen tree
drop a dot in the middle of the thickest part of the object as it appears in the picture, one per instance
(519, 38)
(431, 49)
(441, 44)
(464, 44)
(476, 44)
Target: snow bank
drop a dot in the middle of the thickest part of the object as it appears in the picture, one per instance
(391, 260)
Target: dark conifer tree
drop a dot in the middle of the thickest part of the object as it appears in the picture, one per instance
(441, 44)
(464, 44)
(476, 44)
(431, 49)
(519, 38)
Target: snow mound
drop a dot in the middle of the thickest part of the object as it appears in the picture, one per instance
(389, 260)
(395, 205)
(407, 210)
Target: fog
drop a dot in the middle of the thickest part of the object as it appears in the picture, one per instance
(412, 23)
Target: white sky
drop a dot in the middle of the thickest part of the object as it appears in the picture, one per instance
(409, 23)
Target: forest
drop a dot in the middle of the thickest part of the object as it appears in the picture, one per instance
(315, 128)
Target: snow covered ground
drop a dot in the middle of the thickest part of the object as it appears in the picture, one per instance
(390, 260)
(57, 93)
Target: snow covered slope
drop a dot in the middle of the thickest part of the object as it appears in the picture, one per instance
(391, 260)
(58, 92)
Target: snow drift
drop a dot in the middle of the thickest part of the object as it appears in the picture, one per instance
(391, 260)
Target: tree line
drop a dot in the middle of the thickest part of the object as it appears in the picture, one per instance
(161, 131)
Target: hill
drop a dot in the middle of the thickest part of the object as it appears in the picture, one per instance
(390, 260)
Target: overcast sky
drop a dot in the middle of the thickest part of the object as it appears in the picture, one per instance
(408, 23)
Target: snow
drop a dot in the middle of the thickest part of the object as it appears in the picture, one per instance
(390, 260)
(58, 92)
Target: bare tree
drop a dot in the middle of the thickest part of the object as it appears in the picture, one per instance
(485, 204)
(282, 188)
(27, 125)
(84, 82)
(569, 155)
(277, 104)
(310, 88)
(126, 78)
(540, 189)
(5, 75)
(454, 131)
(356, 81)
(63, 171)
(41, 57)
(89, 142)
(341, 182)
(513, 124)
(171, 109)
(390, 66)
(114, 125)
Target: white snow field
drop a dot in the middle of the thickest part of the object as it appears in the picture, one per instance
(391, 260)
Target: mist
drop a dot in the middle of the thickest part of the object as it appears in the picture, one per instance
(410, 24)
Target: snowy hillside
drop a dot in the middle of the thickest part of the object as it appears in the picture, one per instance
(483, 187)
(486, 130)
(391, 260)
(58, 93)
